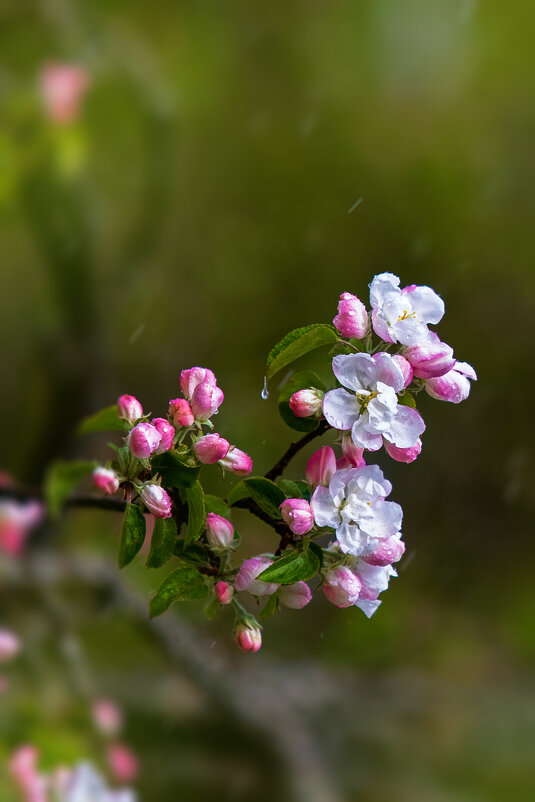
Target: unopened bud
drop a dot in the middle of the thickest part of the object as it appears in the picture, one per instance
(106, 479)
(107, 716)
(206, 400)
(129, 408)
(341, 586)
(211, 448)
(237, 462)
(390, 550)
(156, 500)
(298, 514)
(190, 378)
(167, 433)
(454, 385)
(295, 596)
(143, 440)
(406, 368)
(352, 453)
(9, 645)
(224, 592)
(352, 317)
(430, 360)
(305, 403)
(321, 466)
(123, 763)
(246, 577)
(180, 413)
(219, 531)
(403, 454)
(248, 637)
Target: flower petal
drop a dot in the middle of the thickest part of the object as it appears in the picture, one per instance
(353, 370)
(429, 306)
(341, 409)
(368, 607)
(324, 509)
(405, 428)
(351, 539)
(384, 519)
(382, 286)
(361, 435)
(388, 371)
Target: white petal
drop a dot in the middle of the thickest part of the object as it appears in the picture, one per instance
(381, 287)
(466, 370)
(429, 306)
(351, 540)
(384, 520)
(410, 331)
(325, 510)
(405, 428)
(371, 482)
(364, 438)
(341, 409)
(388, 371)
(368, 607)
(380, 326)
(354, 370)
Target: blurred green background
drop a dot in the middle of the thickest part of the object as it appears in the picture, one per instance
(201, 206)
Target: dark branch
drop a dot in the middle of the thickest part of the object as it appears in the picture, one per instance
(295, 448)
(248, 504)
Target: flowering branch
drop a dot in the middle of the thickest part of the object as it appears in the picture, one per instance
(294, 448)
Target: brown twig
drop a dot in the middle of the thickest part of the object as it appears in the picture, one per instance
(294, 448)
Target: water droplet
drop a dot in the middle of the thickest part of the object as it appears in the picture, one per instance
(265, 393)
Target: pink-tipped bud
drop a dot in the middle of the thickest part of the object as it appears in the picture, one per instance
(341, 586)
(123, 763)
(190, 378)
(129, 408)
(107, 717)
(403, 454)
(298, 514)
(23, 769)
(62, 89)
(430, 360)
(237, 462)
(16, 521)
(206, 400)
(453, 386)
(224, 592)
(219, 532)
(211, 448)
(321, 466)
(405, 367)
(106, 479)
(248, 637)
(9, 645)
(352, 317)
(157, 500)
(167, 433)
(295, 596)
(180, 413)
(390, 550)
(246, 577)
(352, 453)
(305, 403)
(143, 440)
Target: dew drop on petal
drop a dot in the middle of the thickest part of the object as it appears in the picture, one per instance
(265, 393)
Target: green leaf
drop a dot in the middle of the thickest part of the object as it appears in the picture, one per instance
(211, 607)
(304, 487)
(173, 471)
(300, 381)
(296, 566)
(297, 343)
(162, 542)
(217, 505)
(195, 553)
(267, 495)
(61, 479)
(289, 488)
(318, 551)
(132, 534)
(196, 512)
(183, 584)
(270, 607)
(407, 400)
(106, 420)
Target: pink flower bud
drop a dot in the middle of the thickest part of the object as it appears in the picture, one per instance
(23, 769)
(123, 763)
(305, 403)
(237, 462)
(248, 637)
(211, 448)
(430, 359)
(453, 386)
(295, 596)
(167, 433)
(106, 479)
(403, 454)
(246, 577)
(219, 531)
(62, 89)
(298, 514)
(224, 592)
(189, 379)
(180, 413)
(107, 716)
(352, 453)
(9, 645)
(321, 466)
(206, 400)
(157, 500)
(16, 521)
(341, 586)
(143, 440)
(129, 408)
(352, 317)
(390, 550)
(405, 367)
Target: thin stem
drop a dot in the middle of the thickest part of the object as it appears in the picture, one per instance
(349, 345)
(295, 448)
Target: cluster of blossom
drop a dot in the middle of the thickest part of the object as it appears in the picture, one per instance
(181, 432)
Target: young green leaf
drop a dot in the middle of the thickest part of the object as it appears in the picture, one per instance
(162, 542)
(302, 380)
(296, 566)
(289, 488)
(106, 420)
(61, 479)
(173, 471)
(196, 512)
(407, 399)
(267, 495)
(183, 584)
(270, 607)
(132, 534)
(211, 607)
(193, 553)
(297, 343)
(216, 505)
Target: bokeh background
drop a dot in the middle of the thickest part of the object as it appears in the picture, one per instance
(234, 167)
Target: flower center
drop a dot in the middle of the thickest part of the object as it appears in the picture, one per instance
(406, 315)
(365, 398)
